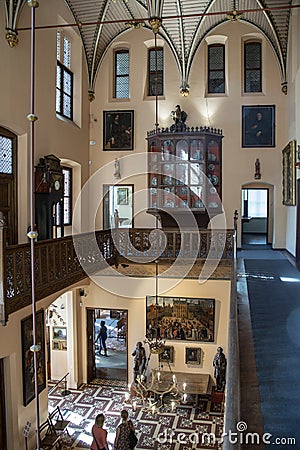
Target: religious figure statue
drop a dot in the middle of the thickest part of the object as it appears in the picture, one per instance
(257, 174)
(139, 354)
(179, 118)
(117, 173)
(220, 364)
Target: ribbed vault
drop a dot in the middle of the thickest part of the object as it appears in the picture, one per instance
(185, 23)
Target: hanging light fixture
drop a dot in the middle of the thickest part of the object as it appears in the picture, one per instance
(234, 16)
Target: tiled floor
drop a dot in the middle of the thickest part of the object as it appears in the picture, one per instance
(153, 431)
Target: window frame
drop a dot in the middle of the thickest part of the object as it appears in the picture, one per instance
(119, 76)
(248, 43)
(152, 73)
(69, 196)
(209, 70)
(64, 70)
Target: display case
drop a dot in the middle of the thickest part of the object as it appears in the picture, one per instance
(185, 173)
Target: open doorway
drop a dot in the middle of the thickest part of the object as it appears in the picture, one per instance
(255, 207)
(113, 366)
(118, 206)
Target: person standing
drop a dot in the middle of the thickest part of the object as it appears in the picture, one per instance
(99, 434)
(102, 337)
(123, 431)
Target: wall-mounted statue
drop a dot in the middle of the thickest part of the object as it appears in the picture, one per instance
(179, 118)
(220, 364)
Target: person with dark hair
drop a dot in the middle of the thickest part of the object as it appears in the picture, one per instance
(123, 432)
(99, 434)
(102, 337)
(220, 364)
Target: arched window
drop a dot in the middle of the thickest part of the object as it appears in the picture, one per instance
(216, 69)
(155, 71)
(252, 67)
(64, 77)
(121, 87)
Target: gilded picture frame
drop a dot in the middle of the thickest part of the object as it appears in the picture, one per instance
(180, 318)
(193, 355)
(27, 356)
(289, 174)
(167, 355)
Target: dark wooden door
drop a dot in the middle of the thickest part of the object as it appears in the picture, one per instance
(3, 440)
(298, 223)
(8, 184)
(90, 328)
(8, 207)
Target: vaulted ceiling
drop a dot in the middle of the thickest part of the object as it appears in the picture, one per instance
(185, 23)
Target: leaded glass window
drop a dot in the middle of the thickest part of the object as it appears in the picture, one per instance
(216, 69)
(6, 155)
(64, 78)
(121, 74)
(67, 195)
(156, 71)
(252, 67)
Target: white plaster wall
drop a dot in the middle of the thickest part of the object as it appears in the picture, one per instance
(293, 116)
(65, 140)
(222, 111)
(219, 290)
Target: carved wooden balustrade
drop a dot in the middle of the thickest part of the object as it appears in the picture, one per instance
(58, 261)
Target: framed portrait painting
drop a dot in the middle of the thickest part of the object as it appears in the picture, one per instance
(258, 126)
(193, 355)
(167, 355)
(180, 318)
(118, 130)
(122, 195)
(27, 356)
(289, 174)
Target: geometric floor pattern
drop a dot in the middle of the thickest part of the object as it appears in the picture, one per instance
(186, 428)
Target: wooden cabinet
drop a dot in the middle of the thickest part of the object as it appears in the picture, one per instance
(185, 174)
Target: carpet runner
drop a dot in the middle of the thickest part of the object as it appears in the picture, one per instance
(274, 298)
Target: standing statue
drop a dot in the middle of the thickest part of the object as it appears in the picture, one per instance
(139, 354)
(220, 364)
(257, 174)
(179, 118)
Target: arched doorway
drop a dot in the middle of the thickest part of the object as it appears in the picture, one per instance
(256, 214)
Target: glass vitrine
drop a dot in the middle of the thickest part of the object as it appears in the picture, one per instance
(185, 171)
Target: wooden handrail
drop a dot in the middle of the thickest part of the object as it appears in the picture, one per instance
(58, 262)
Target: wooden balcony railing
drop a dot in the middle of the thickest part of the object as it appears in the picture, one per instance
(58, 262)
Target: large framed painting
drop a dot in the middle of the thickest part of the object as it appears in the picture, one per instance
(289, 174)
(258, 126)
(118, 130)
(27, 356)
(180, 318)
